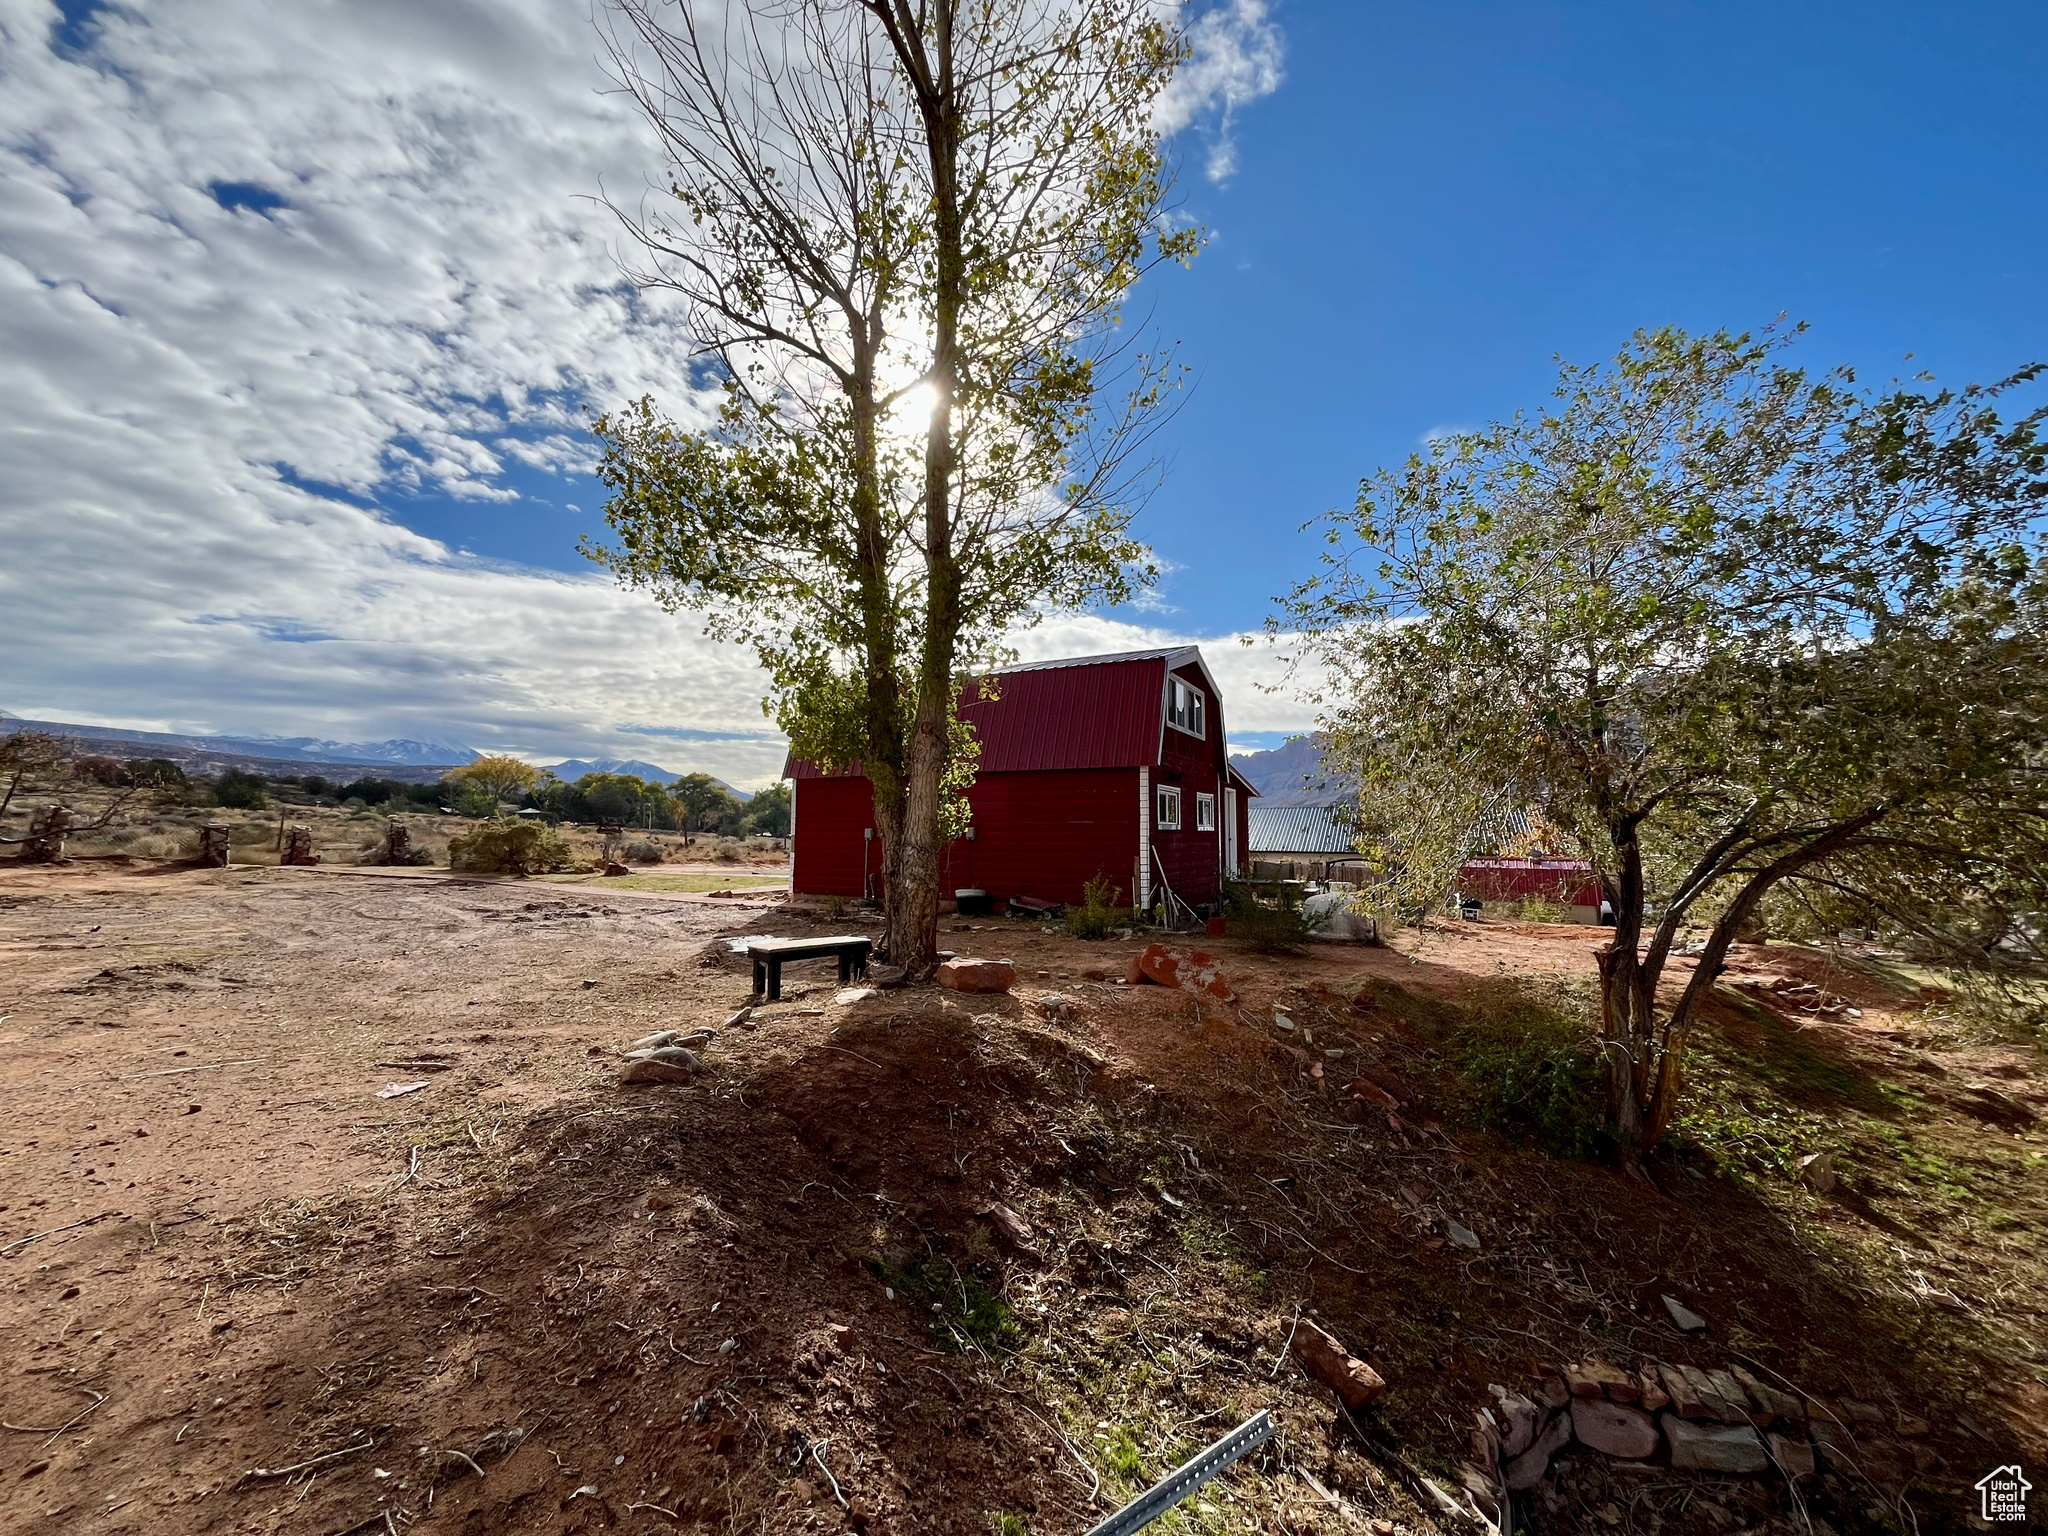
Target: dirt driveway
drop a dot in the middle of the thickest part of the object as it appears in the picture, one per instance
(191, 1063)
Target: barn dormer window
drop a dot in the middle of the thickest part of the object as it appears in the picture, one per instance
(1184, 708)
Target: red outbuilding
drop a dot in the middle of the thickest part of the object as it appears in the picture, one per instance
(1100, 765)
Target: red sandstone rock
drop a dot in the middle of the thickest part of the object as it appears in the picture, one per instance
(1191, 970)
(1355, 1383)
(966, 974)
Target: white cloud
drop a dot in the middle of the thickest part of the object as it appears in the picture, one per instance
(249, 247)
(1236, 57)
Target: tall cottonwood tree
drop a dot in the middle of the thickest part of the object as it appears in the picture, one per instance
(1744, 635)
(879, 201)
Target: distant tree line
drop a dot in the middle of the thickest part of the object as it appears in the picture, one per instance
(482, 789)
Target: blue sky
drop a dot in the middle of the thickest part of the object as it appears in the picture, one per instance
(302, 306)
(1440, 198)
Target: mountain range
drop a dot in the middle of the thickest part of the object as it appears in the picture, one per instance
(234, 751)
(1292, 774)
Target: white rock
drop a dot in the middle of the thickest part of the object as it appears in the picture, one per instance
(1688, 1321)
(1464, 1237)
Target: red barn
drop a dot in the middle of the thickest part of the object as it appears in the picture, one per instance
(1100, 765)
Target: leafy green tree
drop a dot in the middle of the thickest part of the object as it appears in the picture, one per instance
(1742, 634)
(768, 811)
(500, 779)
(702, 803)
(936, 210)
(624, 798)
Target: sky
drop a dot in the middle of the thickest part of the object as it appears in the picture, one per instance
(303, 307)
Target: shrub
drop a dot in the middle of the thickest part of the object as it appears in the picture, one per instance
(643, 853)
(1098, 916)
(507, 846)
(239, 791)
(1531, 1068)
(1267, 925)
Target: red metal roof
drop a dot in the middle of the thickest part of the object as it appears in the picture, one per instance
(1083, 712)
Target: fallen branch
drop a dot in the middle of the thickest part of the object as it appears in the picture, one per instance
(23, 1242)
(268, 1474)
(129, 1077)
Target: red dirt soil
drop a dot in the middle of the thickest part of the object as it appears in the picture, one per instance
(546, 1303)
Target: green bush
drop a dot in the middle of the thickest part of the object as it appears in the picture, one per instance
(1532, 1069)
(239, 791)
(1272, 924)
(507, 846)
(1098, 916)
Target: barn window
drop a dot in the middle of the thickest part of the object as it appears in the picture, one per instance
(1184, 706)
(1169, 808)
(1205, 813)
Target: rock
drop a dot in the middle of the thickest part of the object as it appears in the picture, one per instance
(1463, 1237)
(1191, 970)
(1355, 1383)
(967, 974)
(1614, 1429)
(1862, 1413)
(1912, 1426)
(1519, 1418)
(1554, 1393)
(1770, 1402)
(1013, 1229)
(1056, 1006)
(648, 1070)
(888, 976)
(1654, 1396)
(845, 997)
(1714, 1400)
(1713, 1447)
(1687, 1320)
(1794, 1457)
(1372, 1093)
(1527, 1469)
(676, 1056)
(1823, 1411)
(1486, 1441)
(1817, 1170)
(1835, 1445)
(655, 1041)
(1688, 1398)
(1594, 1377)
(1736, 1406)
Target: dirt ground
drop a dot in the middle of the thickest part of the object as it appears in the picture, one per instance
(245, 1292)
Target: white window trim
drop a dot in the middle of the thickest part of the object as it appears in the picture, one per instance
(1200, 707)
(1167, 795)
(1205, 813)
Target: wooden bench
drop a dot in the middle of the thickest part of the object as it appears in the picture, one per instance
(770, 955)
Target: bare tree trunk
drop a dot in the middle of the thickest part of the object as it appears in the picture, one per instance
(915, 901)
(1623, 1022)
